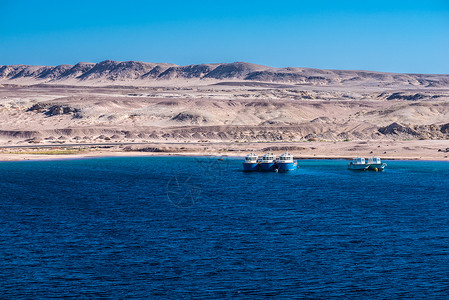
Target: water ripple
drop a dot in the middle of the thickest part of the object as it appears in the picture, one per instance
(196, 227)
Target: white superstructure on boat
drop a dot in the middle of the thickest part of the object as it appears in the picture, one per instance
(358, 164)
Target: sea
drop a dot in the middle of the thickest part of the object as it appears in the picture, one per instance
(199, 227)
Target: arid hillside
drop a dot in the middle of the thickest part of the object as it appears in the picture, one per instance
(237, 110)
(135, 73)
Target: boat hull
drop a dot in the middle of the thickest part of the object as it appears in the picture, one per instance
(379, 167)
(265, 167)
(282, 167)
(250, 167)
(357, 167)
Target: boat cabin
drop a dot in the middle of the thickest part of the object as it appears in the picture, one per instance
(251, 158)
(285, 158)
(358, 161)
(269, 157)
(374, 160)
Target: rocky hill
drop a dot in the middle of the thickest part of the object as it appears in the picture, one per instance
(141, 73)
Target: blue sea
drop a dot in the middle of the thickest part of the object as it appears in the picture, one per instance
(196, 227)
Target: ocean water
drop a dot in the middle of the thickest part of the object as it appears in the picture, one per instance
(174, 227)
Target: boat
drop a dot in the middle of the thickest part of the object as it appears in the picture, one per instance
(268, 162)
(251, 163)
(375, 164)
(358, 164)
(285, 162)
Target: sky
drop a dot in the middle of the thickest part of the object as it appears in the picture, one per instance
(390, 36)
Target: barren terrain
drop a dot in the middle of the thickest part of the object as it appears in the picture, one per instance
(221, 109)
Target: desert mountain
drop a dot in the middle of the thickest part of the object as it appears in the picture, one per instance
(141, 73)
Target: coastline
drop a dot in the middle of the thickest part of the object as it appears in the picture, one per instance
(431, 150)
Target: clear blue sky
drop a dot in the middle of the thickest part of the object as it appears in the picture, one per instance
(394, 36)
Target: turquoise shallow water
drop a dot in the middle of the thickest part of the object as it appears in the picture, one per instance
(177, 227)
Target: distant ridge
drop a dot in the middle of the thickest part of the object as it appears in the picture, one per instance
(110, 72)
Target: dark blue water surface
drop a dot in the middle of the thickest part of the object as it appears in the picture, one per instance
(197, 227)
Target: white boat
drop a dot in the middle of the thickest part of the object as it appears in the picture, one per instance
(375, 164)
(358, 164)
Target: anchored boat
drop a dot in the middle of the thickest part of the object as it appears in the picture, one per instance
(362, 164)
(251, 163)
(268, 162)
(285, 162)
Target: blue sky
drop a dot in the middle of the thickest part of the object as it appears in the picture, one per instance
(392, 36)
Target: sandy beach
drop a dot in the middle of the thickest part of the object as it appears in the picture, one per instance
(392, 150)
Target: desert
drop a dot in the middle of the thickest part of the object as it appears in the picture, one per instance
(135, 108)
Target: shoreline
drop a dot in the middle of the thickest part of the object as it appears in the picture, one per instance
(430, 150)
(31, 157)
